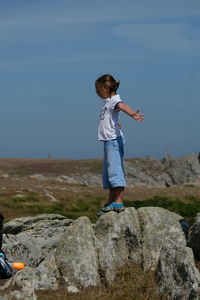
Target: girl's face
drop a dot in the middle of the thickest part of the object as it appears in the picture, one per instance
(102, 90)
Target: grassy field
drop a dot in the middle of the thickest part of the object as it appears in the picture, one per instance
(21, 195)
(74, 201)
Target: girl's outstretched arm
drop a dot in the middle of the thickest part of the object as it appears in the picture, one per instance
(135, 115)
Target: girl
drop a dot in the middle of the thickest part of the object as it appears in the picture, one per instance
(109, 131)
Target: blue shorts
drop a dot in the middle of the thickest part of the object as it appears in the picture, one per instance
(113, 169)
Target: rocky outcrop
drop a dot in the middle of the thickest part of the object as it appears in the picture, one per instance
(139, 172)
(31, 238)
(165, 172)
(178, 278)
(82, 254)
(147, 171)
(158, 226)
(76, 255)
(118, 240)
(194, 237)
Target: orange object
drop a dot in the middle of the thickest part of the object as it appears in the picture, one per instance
(18, 265)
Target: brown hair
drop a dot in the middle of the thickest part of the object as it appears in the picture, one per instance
(109, 81)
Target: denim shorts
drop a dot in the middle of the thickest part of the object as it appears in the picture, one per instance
(113, 169)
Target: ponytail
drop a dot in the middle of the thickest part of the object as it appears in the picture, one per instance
(109, 81)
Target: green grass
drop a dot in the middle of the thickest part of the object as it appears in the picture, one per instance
(32, 204)
(187, 207)
(25, 198)
(86, 205)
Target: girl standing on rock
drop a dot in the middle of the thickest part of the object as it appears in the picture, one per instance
(109, 131)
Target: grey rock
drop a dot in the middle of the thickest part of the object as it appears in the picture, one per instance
(178, 278)
(34, 244)
(29, 280)
(81, 253)
(194, 236)
(72, 289)
(36, 236)
(27, 294)
(139, 172)
(67, 179)
(165, 172)
(158, 225)
(5, 176)
(184, 170)
(39, 177)
(76, 256)
(117, 241)
(26, 223)
(147, 172)
(85, 178)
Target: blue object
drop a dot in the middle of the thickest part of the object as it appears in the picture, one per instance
(6, 270)
(113, 169)
(117, 207)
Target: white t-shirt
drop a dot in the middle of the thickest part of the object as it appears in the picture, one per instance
(109, 128)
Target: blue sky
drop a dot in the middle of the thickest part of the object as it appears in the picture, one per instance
(53, 50)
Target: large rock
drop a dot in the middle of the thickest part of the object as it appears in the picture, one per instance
(194, 236)
(80, 253)
(117, 241)
(32, 238)
(178, 278)
(184, 170)
(29, 280)
(158, 225)
(147, 172)
(165, 172)
(76, 256)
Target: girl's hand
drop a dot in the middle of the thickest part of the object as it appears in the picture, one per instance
(138, 117)
(135, 115)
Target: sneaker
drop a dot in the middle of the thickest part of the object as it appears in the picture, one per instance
(103, 210)
(108, 207)
(100, 213)
(117, 207)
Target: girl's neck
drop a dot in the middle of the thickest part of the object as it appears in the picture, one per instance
(112, 94)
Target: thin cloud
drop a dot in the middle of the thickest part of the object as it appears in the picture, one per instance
(62, 28)
(168, 38)
(45, 18)
(50, 13)
(53, 63)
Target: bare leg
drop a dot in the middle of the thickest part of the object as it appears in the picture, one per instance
(115, 195)
(111, 195)
(119, 194)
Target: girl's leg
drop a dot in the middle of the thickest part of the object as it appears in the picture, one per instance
(119, 194)
(116, 195)
(115, 200)
(111, 195)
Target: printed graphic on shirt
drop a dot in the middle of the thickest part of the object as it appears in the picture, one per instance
(102, 114)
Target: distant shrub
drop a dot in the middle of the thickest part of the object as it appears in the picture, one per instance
(25, 198)
(18, 199)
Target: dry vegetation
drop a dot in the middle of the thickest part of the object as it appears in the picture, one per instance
(21, 195)
(131, 283)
